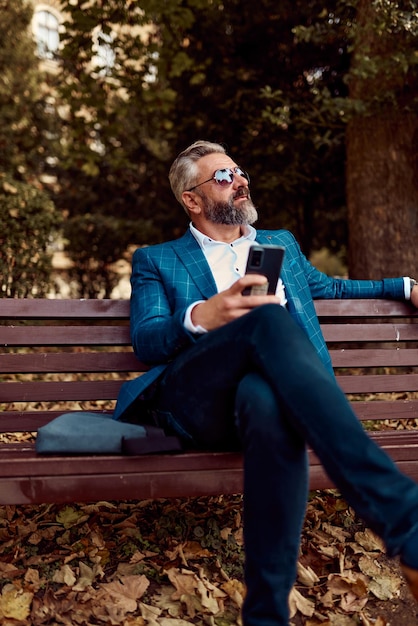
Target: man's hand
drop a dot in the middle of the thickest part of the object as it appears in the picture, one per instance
(414, 296)
(230, 304)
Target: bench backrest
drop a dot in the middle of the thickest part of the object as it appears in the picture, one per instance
(59, 355)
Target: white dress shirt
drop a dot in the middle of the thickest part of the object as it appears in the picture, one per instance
(227, 262)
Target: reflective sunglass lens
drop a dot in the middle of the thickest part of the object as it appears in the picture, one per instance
(224, 177)
(241, 172)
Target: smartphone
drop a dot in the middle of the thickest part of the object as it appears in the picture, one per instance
(265, 260)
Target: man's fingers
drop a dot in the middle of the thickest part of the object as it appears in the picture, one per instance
(246, 281)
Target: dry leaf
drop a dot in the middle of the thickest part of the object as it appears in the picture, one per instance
(163, 600)
(170, 621)
(127, 591)
(336, 532)
(65, 575)
(8, 570)
(297, 602)
(306, 575)
(370, 541)
(235, 589)
(32, 579)
(352, 603)
(150, 614)
(69, 517)
(15, 603)
(86, 578)
(348, 582)
(384, 584)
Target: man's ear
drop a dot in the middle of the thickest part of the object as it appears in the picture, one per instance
(192, 201)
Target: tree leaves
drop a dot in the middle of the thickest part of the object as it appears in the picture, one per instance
(28, 221)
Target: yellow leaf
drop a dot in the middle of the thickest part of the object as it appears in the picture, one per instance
(15, 603)
(68, 516)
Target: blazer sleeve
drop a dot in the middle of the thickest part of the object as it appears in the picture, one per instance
(156, 316)
(323, 286)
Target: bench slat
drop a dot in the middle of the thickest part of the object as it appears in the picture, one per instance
(374, 357)
(29, 308)
(34, 308)
(64, 335)
(372, 307)
(108, 361)
(60, 391)
(70, 362)
(379, 383)
(354, 333)
(108, 390)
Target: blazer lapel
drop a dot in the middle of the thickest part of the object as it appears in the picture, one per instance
(192, 258)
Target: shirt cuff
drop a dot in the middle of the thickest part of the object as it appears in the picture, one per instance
(188, 324)
(407, 287)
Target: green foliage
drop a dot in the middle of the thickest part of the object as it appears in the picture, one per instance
(24, 122)
(27, 221)
(276, 85)
(200, 71)
(98, 241)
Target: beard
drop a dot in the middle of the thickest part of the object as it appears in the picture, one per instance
(227, 213)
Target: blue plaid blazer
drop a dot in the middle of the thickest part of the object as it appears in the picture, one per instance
(167, 278)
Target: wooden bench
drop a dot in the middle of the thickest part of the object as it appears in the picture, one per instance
(60, 355)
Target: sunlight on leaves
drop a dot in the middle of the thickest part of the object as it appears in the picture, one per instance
(15, 603)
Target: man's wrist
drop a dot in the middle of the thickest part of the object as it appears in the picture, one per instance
(188, 322)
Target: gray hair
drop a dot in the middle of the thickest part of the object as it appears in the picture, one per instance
(183, 172)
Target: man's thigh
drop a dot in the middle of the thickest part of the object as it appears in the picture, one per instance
(198, 388)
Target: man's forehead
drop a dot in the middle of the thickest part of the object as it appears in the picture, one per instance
(214, 161)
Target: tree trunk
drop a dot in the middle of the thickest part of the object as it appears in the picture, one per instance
(381, 171)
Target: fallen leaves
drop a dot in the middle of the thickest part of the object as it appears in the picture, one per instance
(15, 603)
(172, 563)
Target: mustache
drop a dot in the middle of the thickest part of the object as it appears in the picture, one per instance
(241, 192)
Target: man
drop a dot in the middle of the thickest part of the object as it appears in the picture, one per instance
(252, 371)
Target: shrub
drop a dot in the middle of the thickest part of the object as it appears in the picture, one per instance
(28, 222)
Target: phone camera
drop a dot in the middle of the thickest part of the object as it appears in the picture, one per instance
(256, 259)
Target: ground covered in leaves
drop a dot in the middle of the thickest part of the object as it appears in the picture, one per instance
(177, 562)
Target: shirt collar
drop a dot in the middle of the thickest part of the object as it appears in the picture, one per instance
(249, 233)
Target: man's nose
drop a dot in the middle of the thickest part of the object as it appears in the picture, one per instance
(240, 180)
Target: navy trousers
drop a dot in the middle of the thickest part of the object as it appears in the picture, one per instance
(258, 383)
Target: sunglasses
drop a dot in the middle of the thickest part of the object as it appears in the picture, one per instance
(224, 177)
